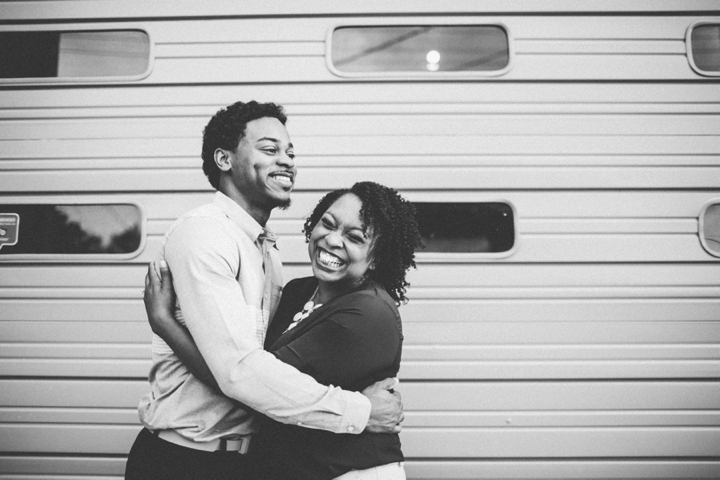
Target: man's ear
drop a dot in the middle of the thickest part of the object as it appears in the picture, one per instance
(222, 160)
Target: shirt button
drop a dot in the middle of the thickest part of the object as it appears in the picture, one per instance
(351, 428)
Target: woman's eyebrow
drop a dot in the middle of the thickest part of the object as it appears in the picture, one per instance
(361, 229)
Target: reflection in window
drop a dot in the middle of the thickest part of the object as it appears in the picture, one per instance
(711, 229)
(422, 48)
(72, 229)
(466, 227)
(705, 47)
(43, 54)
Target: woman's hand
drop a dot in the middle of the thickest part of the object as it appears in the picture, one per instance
(159, 299)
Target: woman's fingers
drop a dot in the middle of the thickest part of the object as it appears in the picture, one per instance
(147, 275)
(165, 274)
(158, 284)
(155, 278)
(152, 280)
(147, 280)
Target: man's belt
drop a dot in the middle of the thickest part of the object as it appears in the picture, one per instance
(238, 444)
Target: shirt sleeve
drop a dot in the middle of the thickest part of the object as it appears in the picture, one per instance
(350, 347)
(204, 260)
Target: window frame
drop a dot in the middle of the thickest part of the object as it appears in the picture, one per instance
(82, 27)
(77, 257)
(465, 257)
(701, 226)
(405, 22)
(688, 47)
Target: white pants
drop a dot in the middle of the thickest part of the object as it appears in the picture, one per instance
(391, 471)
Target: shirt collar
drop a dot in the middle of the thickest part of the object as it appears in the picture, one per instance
(239, 216)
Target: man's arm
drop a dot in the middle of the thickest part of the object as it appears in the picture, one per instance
(386, 405)
(202, 256)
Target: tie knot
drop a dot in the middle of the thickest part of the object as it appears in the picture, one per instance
(267, 239)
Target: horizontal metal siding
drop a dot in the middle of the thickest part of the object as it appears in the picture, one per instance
(607, 146)
(547, 48)
(573, 226)
(83, 9)
(591, 352)
(504, 413)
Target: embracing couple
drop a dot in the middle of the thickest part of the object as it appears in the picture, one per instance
(249, 384)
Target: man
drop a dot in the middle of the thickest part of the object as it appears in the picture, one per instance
(227, 276)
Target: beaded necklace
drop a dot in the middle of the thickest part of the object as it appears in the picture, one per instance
(307, 309)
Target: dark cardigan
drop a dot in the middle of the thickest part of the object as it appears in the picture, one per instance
(351, 342)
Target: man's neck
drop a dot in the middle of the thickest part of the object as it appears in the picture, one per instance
(258, 213)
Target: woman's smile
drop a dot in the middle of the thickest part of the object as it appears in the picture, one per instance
(328, 259)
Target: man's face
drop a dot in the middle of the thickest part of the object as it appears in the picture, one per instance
(262, 166)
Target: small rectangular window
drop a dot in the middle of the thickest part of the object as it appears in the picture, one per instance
(710, 228)
(466, 227)
(63, 55)
(87, 229)
(420, 50)
(703, 42)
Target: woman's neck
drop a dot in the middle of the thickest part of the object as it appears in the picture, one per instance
(329, 290)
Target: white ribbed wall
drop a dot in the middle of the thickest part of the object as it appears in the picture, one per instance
(590, 352)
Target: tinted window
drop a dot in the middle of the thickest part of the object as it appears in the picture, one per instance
(466, 227)
(422, 48)
(72, 54)
(705, 47)
(69, 229)
(711, 229)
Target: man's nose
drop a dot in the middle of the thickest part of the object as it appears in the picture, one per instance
(286, 160)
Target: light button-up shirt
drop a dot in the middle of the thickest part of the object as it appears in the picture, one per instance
(217, 266)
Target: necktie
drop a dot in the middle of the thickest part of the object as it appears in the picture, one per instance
(267, 241)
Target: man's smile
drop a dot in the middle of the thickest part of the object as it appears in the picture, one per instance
(285, 179)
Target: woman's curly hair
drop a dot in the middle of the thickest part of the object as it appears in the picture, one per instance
(394, 228)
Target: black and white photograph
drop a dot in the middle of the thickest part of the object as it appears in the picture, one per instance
(334, 240)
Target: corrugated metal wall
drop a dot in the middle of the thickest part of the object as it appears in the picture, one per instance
(590, 352)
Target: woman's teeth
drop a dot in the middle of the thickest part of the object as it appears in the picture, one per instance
(329, 259)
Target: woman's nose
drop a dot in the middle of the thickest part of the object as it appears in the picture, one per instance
(334, 239)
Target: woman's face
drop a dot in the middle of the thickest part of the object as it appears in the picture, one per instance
(339, 244)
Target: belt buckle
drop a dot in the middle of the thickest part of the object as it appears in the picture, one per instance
(240, 445)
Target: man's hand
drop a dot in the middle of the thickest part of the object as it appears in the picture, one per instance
(386, 413)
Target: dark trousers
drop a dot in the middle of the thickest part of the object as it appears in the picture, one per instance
(152, 458)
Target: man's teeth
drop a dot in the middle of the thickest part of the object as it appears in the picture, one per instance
(328, 259)
(282, 179)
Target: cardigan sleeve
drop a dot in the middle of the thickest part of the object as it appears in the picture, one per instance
(359, 339)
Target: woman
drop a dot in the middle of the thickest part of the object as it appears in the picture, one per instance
(341, 326)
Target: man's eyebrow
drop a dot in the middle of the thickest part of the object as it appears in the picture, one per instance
(274, 140)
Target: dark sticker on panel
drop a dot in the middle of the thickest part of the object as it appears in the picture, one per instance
(9, 228)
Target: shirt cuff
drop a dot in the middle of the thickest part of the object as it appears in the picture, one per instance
(357, 413)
